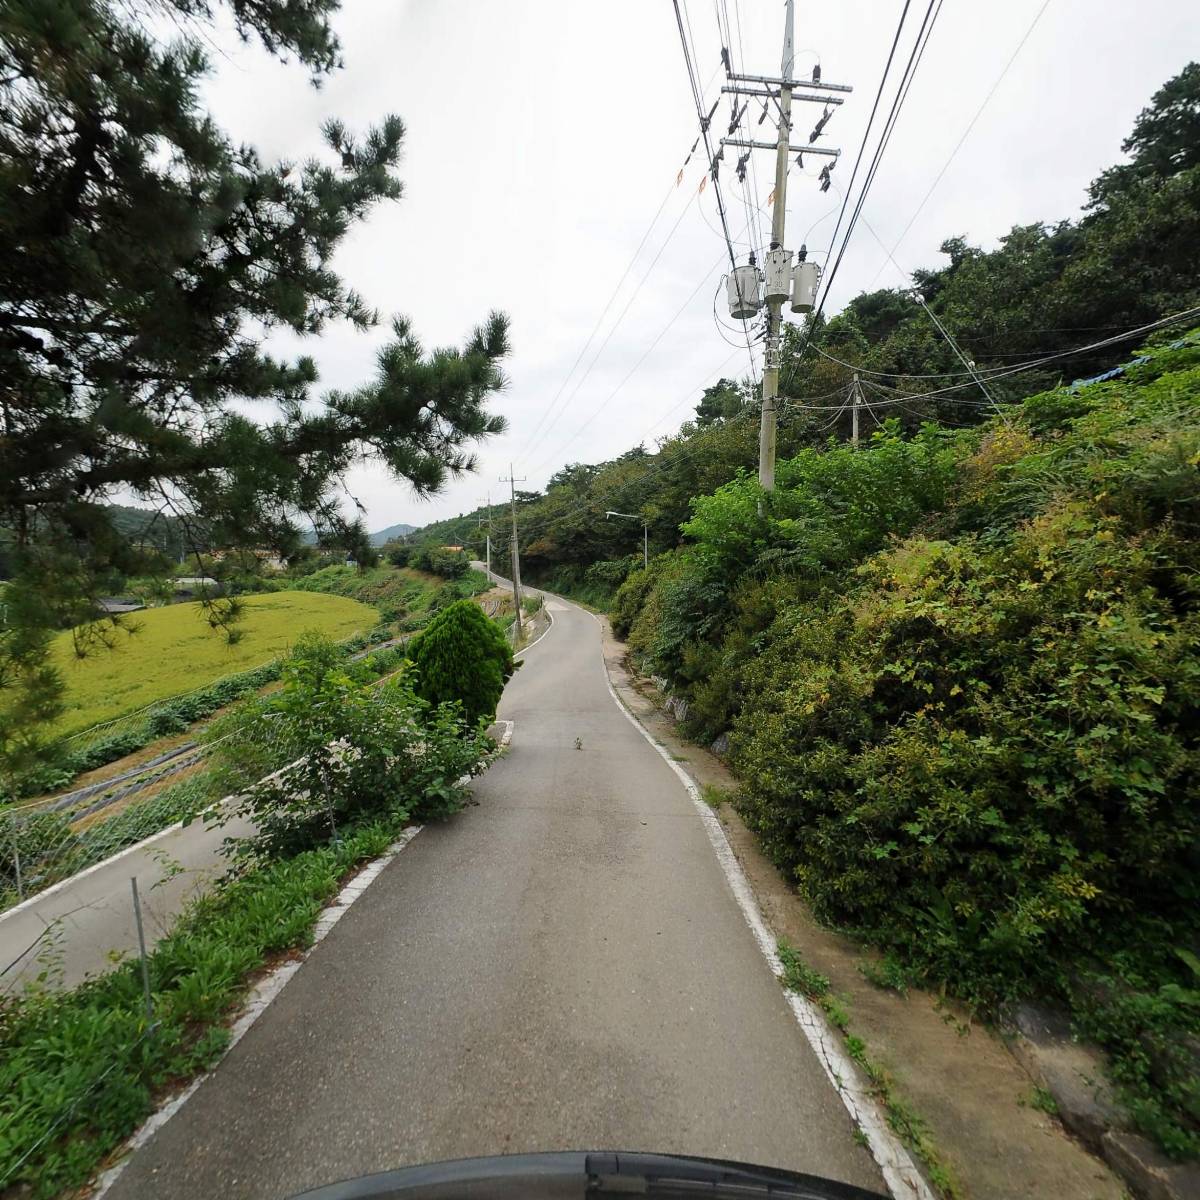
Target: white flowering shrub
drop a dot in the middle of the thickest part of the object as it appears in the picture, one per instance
(331, 749)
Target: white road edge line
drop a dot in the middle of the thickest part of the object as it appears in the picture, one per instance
(266, 990)
(900, 1173)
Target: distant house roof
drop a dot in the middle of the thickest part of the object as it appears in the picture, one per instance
(110, 605)
(196, 581)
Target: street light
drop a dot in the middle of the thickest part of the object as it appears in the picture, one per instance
(645, 533)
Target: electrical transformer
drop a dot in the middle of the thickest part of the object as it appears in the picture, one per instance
(805, 278)
(742, 286)
(779, 276)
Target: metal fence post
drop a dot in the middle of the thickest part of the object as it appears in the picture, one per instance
(17, 865)
(137, 915)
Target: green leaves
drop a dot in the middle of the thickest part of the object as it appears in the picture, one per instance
(143, 260)
(331, 748)
(961, 681)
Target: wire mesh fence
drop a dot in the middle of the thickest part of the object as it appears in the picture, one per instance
(42, 845)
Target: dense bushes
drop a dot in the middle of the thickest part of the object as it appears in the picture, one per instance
(462, 656)
(356, 752)
(963, 689)
(438, 560)
(594, 585)
(404, 598)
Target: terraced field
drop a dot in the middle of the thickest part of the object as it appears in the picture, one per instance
(172, 650)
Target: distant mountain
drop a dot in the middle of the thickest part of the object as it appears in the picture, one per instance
(392, 531)
(309, 536)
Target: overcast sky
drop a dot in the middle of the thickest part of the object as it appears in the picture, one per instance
(544, 135)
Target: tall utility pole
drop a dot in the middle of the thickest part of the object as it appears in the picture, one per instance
(488, 522)
(770, 382)
(779, 278)
(512, 482)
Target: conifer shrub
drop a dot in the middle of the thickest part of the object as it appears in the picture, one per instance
(463, 656)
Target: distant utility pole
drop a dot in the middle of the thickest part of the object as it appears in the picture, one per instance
(512, 482)
(781, 281)
(645, 533)
(488, 522)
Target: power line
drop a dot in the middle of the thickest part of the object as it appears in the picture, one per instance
(604, 312)
(608, 336)
(966, 132)
(1004, 373)
(662, 333)
(632, 371)
(914, 58)
(704, 123)
(841, 362)
(887, 66)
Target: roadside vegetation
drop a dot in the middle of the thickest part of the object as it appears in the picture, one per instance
(80, 1069)
(55, 843)
(151, 658)
(405, 597)
(958, 672)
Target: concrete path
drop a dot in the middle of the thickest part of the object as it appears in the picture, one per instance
(82, 925)
(563, 966)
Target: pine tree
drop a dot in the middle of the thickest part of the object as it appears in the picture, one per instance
(143, 258)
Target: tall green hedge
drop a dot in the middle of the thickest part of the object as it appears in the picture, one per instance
(463, 656)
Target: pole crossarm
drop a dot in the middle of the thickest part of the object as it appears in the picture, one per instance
(775, 81)
(744, 145)
(773, 94)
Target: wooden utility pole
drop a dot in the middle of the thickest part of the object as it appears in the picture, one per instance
(512, 482)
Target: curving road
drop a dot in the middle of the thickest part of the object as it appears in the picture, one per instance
(562, 966)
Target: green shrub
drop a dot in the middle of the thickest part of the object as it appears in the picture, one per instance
(354, 750)
(462, 656)
(964, 688)
(629, 599)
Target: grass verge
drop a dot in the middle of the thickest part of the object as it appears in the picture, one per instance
(80, 1070)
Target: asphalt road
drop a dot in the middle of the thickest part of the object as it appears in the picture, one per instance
(562, 966)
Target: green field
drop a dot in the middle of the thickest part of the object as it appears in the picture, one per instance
(172, 650)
